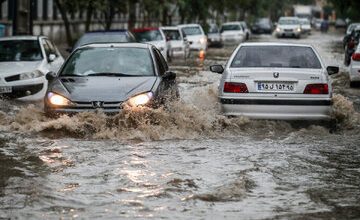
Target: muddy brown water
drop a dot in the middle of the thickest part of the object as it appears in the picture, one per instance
(183, 162)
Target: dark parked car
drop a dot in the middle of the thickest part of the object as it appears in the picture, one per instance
(262, 26)
(108, 76)
(113, 36)
(351, 43)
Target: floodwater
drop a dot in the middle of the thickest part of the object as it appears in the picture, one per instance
(186, 161)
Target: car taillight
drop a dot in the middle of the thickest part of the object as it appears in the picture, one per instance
(235, 87)
(317, 89)
(356, 56)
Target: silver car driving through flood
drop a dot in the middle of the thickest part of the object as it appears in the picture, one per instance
(107, 76)
(276, 81)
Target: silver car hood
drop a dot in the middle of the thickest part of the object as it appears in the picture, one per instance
(99, 88)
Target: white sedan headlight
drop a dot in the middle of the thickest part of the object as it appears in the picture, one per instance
(203, 40)
(58, 100)
(141, 99)
(31, 75)
(278, 29)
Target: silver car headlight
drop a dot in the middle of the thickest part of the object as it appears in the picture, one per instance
(141, 99)
(31, 75)
(58, 100)
(278, 29)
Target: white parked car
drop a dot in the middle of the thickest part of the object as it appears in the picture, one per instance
(178, 44)
(293, 85)
(195, 35)
(354, 71)
(154, 36)
(246, 30)
(24, 62)
(305, 25)
(288, 27)
(232, 33)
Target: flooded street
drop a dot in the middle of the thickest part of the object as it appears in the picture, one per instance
(185, 161)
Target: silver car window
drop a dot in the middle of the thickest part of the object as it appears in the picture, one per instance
(127, 61)
(276, 56)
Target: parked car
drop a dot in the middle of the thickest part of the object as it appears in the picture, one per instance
(195, 35)
(108, 76)
(340, 23)
(351, 27)
(154, 36)
(324, 26)
(113, 36)
(262, 26)
(317, 23)
(293, 85)
(24, 61)
(214, 37)
(246, 30)
(288, 27)
(305, 25)
(351, 44)
(232, 33)
(354, 72)
(349, 31)
(178, 43)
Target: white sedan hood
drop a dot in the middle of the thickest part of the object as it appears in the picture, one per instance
(12, 68)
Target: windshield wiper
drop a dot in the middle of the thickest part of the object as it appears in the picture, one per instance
(109, 74)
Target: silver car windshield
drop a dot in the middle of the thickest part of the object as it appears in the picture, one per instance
(20, 50)
(110, 62)
(276, 56)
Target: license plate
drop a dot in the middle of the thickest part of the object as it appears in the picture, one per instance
(5, 89)
(278, 86)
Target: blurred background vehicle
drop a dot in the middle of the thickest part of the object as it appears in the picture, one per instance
(317, 23)
(24, 61)
(288, 27)
(127, 73)
(324, 26)
(305, 25)
(262, 26)
(246, 29)
(348, 33)
(214, 37)
(340, 23)
(351, 44)
(114, 36)
(354, 69)
(179, 45)
(195, 34)
(232, 33)
(154, 36)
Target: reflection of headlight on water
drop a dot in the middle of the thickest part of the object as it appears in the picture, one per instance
(141, 99)
(58, 100)
(31, 75)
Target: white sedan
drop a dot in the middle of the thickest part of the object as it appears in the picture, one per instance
(293, 85)
(24, 61)
(355, 67)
